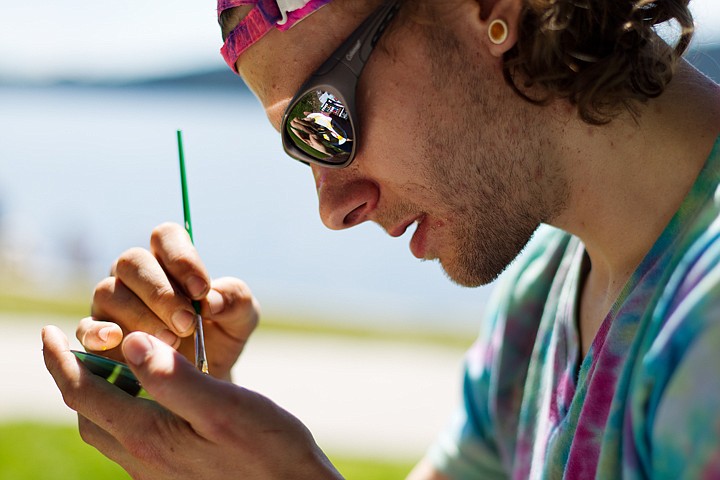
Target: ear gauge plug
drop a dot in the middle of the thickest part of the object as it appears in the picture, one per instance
(498, 31)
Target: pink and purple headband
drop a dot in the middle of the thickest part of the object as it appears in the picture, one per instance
(281, 14)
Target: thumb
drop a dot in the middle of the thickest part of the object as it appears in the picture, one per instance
(172, 380)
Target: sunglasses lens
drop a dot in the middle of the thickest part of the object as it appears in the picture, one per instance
(318, 128)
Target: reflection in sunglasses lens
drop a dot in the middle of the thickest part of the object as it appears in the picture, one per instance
(319, 125)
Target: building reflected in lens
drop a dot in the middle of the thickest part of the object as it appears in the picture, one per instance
(320, 126)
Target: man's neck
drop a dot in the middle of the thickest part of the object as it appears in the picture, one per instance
(628, 178)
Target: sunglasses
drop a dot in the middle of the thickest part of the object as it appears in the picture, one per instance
(320, 125)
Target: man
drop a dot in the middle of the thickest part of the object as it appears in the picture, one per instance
(478, 120)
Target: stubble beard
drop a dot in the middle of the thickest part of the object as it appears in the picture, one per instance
(488, 170)
(493, 218)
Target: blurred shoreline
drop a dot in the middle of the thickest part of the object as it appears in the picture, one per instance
(704, 56)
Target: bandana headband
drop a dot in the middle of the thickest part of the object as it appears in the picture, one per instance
(281, 14)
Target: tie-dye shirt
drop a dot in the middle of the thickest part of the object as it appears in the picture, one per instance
(643, 403)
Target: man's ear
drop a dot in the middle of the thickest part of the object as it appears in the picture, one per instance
(501, 21)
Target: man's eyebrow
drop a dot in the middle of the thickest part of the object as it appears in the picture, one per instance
(230, 18)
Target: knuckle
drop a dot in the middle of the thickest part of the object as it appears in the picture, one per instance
(238, 292)
(129, 260)
(140, 448)
(162, 231)
(240, 301)
(183, 261)
(215, 427)
(215, 423)
(217, 431)
(247, 302)
(104, 291)
(70, 396)
(243, 289)
(160, 294)
(152, 444)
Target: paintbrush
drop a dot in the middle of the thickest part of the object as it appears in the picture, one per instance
(200, 357)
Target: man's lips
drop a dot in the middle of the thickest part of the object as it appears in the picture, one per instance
(418, 242)
(399, 229)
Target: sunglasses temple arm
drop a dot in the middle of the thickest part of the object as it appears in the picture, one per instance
(356, 49)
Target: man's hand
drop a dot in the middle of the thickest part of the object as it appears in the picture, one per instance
(198, 428)
(152, 291)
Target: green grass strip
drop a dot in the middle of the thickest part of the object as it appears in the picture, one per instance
(75, 308)
(24, 304)
(48, 452)
(31, 451)
(302, 327)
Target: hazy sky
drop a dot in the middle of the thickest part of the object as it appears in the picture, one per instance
(100, 39)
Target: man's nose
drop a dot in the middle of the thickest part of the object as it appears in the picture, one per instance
(346, 198)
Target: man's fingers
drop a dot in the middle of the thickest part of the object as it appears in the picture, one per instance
(232, 306)
(173, 248)
(97, 335)
(141, 273)
(114, 302)
(203, 401)
(87, 394)
(176, 384)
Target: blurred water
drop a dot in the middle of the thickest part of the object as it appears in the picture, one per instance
(89, 172)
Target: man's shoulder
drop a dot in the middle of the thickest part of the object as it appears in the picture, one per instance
(677, 371)
(695, 281)
(689, 304)
(695, 271)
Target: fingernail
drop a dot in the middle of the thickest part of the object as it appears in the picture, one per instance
(195, 286)
(216, 302)
(104, 333)
(183, 321)
(166, 336)
(137, 349)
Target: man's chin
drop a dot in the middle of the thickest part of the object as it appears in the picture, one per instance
(466, 277)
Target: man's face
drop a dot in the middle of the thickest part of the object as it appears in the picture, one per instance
(443, 144)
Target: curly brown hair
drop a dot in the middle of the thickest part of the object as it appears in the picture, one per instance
(603, 56)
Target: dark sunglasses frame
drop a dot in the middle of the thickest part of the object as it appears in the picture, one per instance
(339, 76)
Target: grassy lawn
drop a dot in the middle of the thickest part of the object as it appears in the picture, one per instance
(72, 306)
(31, 451)
(45, 452)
